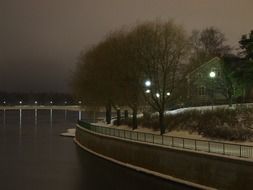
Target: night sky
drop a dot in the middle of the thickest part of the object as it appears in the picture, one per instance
(40, 40)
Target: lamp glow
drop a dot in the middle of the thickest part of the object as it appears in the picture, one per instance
(147, 83)
(147, 91)
(212, 74)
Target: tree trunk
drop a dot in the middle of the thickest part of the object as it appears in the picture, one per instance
(126, 114)
(230, 98)
(230, 101)
(118, 117)
(134, 119)
(108, 113)
(161, 123)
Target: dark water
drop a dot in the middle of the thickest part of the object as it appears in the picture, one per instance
(33, 156)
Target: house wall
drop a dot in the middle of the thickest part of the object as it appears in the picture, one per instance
(200, 77)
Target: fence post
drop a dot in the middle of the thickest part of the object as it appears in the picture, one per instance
(195, 142)
(162, 140)
(183, 142)
(224, 148)
(172, 141)
(153, 139)
(209, 148)
(240, 150)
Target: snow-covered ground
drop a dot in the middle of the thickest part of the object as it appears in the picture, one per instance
(70, 133)
(204, 108)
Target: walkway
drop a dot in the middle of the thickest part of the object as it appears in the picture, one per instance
(216, 147)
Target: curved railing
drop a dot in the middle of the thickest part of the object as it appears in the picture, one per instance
(216, 147)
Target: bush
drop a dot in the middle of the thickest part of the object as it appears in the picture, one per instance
(224, 124)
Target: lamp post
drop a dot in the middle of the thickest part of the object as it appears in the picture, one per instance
(212, 75)
(35, 112)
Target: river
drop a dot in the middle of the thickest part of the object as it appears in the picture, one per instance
(34, 157)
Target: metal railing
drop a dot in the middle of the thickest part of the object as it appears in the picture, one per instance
(229, 149)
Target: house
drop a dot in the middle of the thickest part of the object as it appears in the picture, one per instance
(209, 83)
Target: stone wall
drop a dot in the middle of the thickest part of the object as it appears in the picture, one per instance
(207, 169)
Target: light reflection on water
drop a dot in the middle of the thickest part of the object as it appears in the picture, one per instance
(34, 156)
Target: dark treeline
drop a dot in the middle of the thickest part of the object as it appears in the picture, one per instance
(12, 98)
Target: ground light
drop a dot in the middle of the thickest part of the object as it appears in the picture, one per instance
(147, 91)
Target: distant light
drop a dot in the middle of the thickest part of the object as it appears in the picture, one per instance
(168, 93)
(4, 102)
(36, 102)
(212, 74)
(79, 102)
(20, 102)
(65, 102)
(147, 83)
(147, 91)
(51, 102)
(157, 95)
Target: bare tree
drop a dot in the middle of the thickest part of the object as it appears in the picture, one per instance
(160, 48)
(95, 77)
(207, 44)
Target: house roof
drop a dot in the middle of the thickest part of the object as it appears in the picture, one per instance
(202, 65)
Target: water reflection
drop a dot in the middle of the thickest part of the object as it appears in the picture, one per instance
(51, 117)
(34, 156)
(20, 118)
(36, 117)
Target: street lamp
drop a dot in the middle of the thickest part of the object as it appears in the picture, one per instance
(212, 75)
(51, 102)
(36, 102)
(79, 102)
(168, 93)
(147, 83)
(157, 95)
(20, 102)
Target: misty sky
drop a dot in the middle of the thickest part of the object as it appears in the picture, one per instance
(40, 40)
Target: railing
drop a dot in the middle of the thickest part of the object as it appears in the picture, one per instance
(216, 147)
